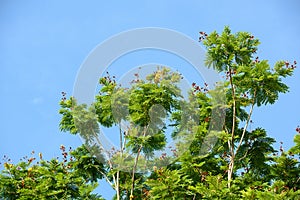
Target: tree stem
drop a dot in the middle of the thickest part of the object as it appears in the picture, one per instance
(135, 163)
(247, 122)
(133, 171)
(231, 163)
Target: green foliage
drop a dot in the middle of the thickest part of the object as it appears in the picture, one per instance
(67, 123)
(233, 55)
(296, 148)
(245, 155)
(287, 171)
(260, 82)
(169, 185)
(104, 102)
(249, 83)
(52, 179)
(88, 166)
(224, 157)
(229, 49)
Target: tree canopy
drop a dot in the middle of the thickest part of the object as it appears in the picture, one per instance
(216, 153)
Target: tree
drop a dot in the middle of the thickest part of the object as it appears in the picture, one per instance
(250, 83)
(143, 107)
(54, 179)
(216, 154)
(245, 155)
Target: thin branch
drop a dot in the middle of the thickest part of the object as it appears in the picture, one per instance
(117, 185)
(109, 162)
(233, 110)
(247, 122)
(231, 163)
(106, 178)
(134, 169)
(122, 146)
(229, 146)
(121, 139)
(244, 155)
(136, 161)
(226, 130)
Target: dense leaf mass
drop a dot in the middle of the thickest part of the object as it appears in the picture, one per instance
(218, 153)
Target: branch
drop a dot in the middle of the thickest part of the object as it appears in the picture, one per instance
(233, 112)
(244, 155)
(106, 178)
(231, 142)
(229, 146)
(121, 139)
(194, 197)
(247, 122)
(133, 170)
(135, 163)
(109, 162)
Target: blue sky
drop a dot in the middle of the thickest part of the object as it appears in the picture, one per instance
(43, 44)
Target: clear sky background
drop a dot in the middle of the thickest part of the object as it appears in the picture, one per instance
(43, 44)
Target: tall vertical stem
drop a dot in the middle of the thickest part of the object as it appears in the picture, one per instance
(136, 162)
(133, 171)
(118, 172)
(232, 157)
